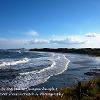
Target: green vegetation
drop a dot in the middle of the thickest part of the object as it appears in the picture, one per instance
(89, 90)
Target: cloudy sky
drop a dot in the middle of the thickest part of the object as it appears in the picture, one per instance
(49, 23)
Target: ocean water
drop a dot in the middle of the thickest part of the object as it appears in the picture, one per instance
(25, 69)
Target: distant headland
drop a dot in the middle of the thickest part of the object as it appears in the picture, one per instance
(89, 51)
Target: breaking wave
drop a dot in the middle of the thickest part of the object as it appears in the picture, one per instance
(9, 63)
(32, 78)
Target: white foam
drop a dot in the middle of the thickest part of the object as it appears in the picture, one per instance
(29, 72)
(19, 51)
(22, 61)
(25, 80)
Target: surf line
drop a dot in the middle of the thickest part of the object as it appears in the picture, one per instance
(59, 65)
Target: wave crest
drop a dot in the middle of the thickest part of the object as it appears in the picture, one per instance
(9, 63)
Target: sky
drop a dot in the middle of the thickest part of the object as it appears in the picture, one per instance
(49, 24)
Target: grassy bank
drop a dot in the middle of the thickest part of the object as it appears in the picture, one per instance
(89, 90)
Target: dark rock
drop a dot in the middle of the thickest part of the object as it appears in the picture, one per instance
(92, 73)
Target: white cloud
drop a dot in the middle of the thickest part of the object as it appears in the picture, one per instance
(68, 40)
(75, 40)
(32, 33)
(39, 41)
(91, 40)
(92, 34)
(57, 40)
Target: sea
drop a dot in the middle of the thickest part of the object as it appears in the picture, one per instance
(24, 69)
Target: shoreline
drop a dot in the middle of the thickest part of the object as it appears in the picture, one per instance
(88, 51)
